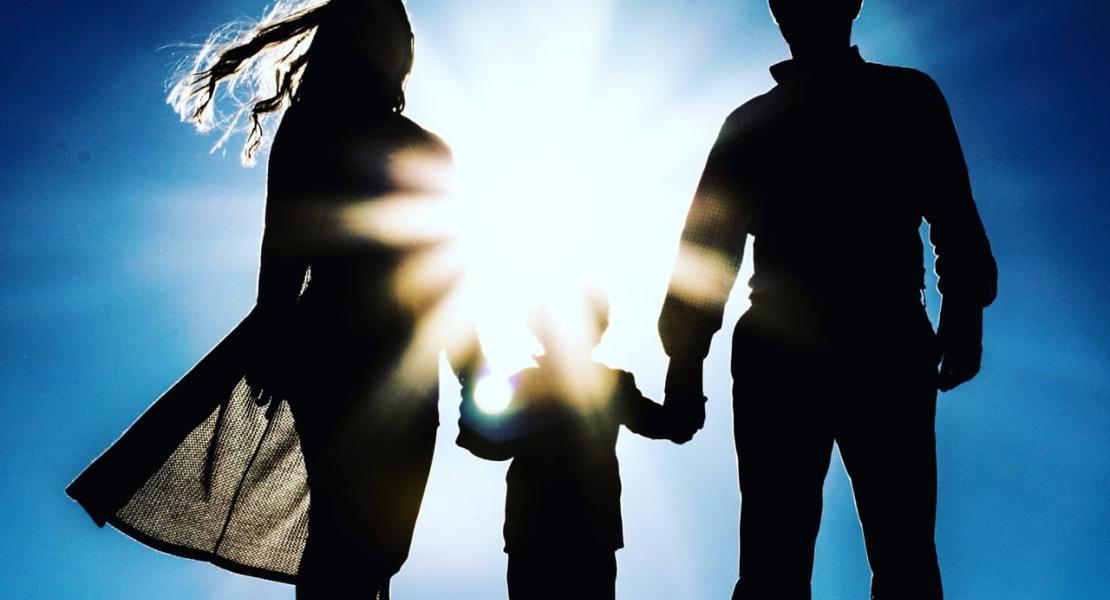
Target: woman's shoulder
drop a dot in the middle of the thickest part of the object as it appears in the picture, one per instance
(301, 120)
(413, 135)
(307, 134)
(298, 138)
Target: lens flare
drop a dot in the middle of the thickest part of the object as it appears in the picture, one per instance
(493, 394)
(572, 166)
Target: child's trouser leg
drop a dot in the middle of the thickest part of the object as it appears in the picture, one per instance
(550, 576)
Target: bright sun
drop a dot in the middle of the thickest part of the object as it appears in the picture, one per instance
(569, 171)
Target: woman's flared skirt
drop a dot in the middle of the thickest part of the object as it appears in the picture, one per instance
(211, 473)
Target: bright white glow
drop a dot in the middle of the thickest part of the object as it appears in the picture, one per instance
(572, 167)
(493, 394)
(578, 130)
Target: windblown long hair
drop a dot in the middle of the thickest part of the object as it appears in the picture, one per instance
(246, 74)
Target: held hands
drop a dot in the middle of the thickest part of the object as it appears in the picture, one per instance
(684, 399)
(687, 414)
(960, 334)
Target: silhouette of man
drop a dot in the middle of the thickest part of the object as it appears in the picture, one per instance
(832, 172)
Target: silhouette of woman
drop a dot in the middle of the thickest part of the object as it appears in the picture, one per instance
(326, 381)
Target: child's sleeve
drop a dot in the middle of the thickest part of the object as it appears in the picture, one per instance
(639, 414)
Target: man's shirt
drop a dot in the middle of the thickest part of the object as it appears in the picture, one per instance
(831, 172)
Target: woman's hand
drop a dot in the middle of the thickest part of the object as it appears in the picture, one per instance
(270, 330)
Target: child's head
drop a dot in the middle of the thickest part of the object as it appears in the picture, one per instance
(573, 323)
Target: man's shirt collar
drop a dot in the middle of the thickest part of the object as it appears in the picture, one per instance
(795, 70)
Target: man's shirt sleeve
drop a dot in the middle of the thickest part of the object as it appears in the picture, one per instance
(965, 267)
(710, 252)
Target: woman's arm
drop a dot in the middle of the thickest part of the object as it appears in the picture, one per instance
(291, 221)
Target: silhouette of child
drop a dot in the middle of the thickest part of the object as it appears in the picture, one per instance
(562, 510)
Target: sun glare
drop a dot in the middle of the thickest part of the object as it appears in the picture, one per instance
(568, 169)
(578, 130)
(493, 394)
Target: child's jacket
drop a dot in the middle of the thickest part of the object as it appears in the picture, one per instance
(564, 482)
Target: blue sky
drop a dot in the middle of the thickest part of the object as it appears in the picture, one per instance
(127, 251)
